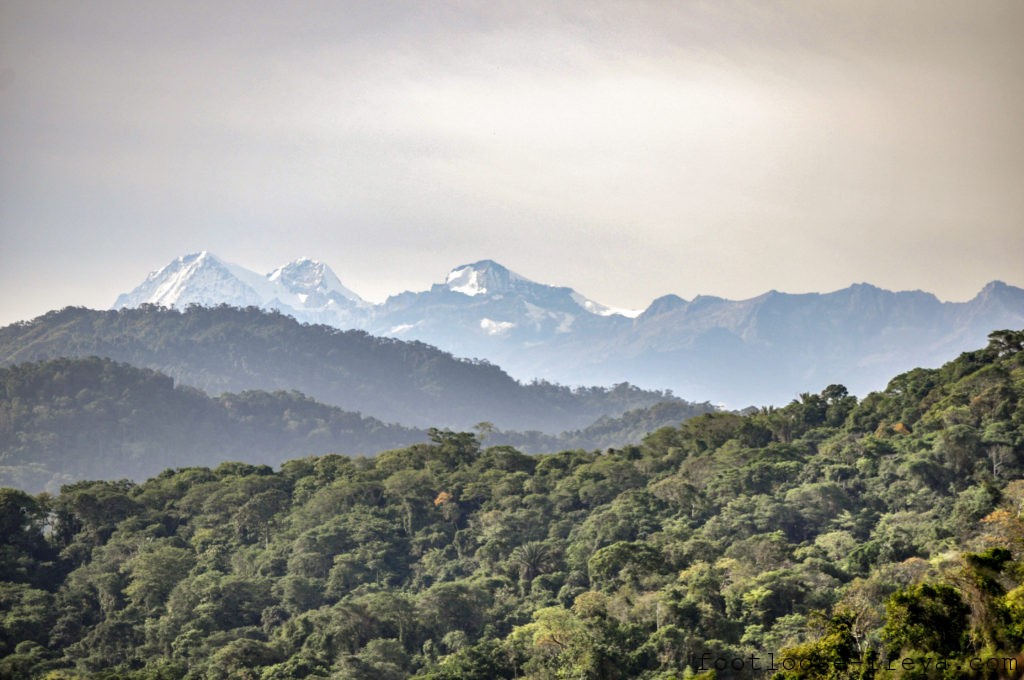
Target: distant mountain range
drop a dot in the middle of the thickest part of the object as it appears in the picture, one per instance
(764, 350)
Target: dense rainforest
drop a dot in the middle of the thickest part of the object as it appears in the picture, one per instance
(71, 419)
(227, 349)
(64, 420)
(830, 538)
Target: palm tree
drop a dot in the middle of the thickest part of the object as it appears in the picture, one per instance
(533, 558)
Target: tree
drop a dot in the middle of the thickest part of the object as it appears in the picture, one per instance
(412, 490)
(828, 657)
(154, 572)
(623, 562)
(486, 660)
(458, 605)
(240, 659)
(455, 448)
(1006, 342)
(256, 516)
(928, 618)
(26, 615)
(25, 555)
(533, 558)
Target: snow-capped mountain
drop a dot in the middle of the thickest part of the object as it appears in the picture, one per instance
(484, 310)
(487, 277)
(763, 350)
(305, 289)
(199, 278)
(313, 282)
(488, 300)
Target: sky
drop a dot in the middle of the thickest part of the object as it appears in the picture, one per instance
(627, 149)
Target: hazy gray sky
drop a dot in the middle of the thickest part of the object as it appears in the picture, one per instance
(628, 149)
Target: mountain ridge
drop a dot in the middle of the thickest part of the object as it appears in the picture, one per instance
(227, 349)
(761, 350)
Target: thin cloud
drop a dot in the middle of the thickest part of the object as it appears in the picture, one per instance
(628, 149)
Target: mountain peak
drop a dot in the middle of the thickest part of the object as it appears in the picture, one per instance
(663, 304)
(996, 286)
(999, 291)
(485, 277)
(201, 257)
(304, 287)
(306, 276)
(200, 278)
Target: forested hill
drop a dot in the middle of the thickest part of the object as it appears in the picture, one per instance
(65, 420)
(824, 532)
(226, 349)
(70, 419)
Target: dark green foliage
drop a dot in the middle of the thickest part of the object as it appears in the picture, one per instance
(928, 618)
(68, 419)
(826, 530)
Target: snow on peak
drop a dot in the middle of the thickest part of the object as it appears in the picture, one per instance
(487, 277)
(465, 281)
(603, 310)
(200, 278)
(482, 278)
(305, 277)
(305, 287)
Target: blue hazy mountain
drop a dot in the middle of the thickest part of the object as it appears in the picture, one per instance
(757, 351)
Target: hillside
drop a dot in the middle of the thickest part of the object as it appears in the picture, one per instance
(830, 531)
(224, 349)
(65, 420)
